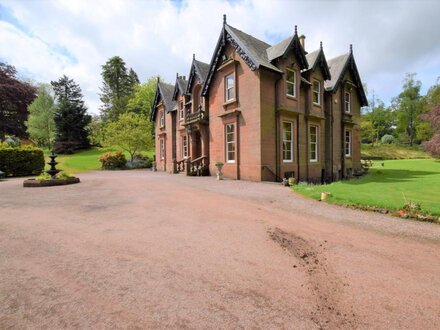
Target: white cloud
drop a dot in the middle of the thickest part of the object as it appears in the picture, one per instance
(51, 38)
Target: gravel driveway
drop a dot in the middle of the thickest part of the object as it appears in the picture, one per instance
(137, 249)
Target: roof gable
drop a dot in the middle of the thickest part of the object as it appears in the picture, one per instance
(252, 50)
(338, 67)
(199, 69)
(316, 58)
(282, 48)
(179, 87)
(164, 93)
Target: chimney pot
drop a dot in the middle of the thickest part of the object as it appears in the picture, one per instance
(302, 40)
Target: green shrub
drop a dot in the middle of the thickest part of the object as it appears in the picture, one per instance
(21, 161)
(140, 161)
(43, 177)
(113, 161)
(387, 139)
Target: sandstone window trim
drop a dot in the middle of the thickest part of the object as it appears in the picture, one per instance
(230, 143)
(347, 102)
(162, 119)
(348, 142)
(316, 92)
(291, 82)
(162, 148)
(314, 143)
(181, 111)
(184, 147)
(287, 141)
(229, 82)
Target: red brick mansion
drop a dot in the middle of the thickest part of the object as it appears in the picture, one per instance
(266, 112)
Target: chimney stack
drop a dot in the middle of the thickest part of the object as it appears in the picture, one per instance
(302, 40)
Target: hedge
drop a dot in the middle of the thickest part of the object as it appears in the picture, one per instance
(21, 161)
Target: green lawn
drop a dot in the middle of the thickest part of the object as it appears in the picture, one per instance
(87, 160)
(413, 180)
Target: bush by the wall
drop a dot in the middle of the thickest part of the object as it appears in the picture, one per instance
(140, 161)
(387, 139)
(21, 161)
(112, 161)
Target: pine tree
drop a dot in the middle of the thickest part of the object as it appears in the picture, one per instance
(118, 86)
(71, 118)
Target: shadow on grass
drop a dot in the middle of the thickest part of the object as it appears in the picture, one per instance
(391, 176)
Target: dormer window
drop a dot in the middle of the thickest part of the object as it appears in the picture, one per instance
(290, 82)
(347, 102)
(316, 92)
(229, 87)
(162, 119)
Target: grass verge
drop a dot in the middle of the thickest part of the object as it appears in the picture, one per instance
(389, 186)
(393, 151)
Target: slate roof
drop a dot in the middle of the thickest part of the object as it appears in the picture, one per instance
(182, 84)
(278, 49)
(312, 57)
(316, 57)
(164, 92)
(337, 66)
(202, 68)
(255, 48)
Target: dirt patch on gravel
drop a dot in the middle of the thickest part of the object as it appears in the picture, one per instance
(323, 285)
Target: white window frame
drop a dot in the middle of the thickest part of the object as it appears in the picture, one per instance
(162, 118)
(290, 142)
(318, 92)
(229, 88)
(314, 145)
(162, 149)
(181, 110)
(347, 102)
(348, 143)
(292, 83)
(229, 144)
(184, 146)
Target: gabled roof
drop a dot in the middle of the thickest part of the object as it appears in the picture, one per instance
(254, 48)
(180, 86)
(164, 92)
(316, 58)
(200, 69)
(252, 51)
(338, 67)
(284, 46)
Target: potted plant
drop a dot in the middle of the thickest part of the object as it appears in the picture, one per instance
(219, 166)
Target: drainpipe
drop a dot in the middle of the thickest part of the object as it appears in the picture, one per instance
(238, 145)
(277, 128)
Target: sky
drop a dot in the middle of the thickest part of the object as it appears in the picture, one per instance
(45, 39)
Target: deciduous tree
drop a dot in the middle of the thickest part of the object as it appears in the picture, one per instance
(41, 123)
(15, 96)
(131, 132)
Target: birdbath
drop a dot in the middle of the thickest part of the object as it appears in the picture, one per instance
(53, 171)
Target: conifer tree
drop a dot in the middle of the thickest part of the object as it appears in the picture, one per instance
(71, 118)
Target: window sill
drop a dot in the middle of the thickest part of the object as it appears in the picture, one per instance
(292, 97)
(288, 161)
(317, 104)
(229, 102)
(230, 162)
(314, 161)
